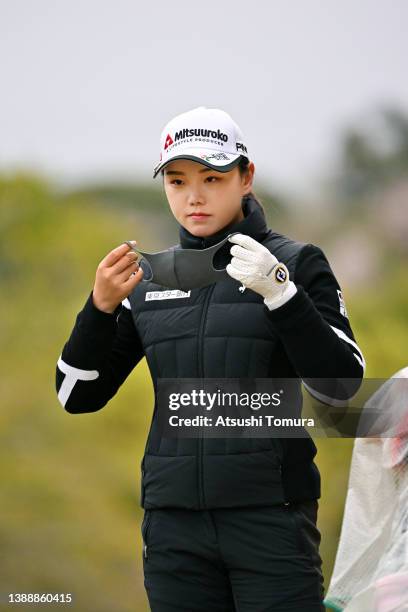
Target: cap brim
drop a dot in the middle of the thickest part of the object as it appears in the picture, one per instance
(221, 165)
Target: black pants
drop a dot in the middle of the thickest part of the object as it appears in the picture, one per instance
(252, 559)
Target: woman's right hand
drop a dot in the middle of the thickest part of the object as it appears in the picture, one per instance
(114, 280)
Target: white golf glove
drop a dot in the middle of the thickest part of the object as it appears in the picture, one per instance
(256, 268)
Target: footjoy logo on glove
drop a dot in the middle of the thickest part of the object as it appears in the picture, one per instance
(280, 274)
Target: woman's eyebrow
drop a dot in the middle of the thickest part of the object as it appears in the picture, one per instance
(183, 173)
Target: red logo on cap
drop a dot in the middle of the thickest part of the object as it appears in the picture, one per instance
(169, 141)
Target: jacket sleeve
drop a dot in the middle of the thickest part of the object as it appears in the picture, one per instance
(100, 353)
(316, 333)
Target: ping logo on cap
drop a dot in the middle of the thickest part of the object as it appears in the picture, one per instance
(241, 147)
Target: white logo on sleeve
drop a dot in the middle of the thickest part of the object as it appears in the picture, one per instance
(72, 375)
(342, 304)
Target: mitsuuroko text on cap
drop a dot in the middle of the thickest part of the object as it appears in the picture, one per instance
(207, 135)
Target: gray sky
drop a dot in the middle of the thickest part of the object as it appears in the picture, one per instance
(87, 86)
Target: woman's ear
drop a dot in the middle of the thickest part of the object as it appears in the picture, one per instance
(248, 178)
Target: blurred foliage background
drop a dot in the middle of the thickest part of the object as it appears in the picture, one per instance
(70, 514)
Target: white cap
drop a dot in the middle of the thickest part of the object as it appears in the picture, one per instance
(206, 135)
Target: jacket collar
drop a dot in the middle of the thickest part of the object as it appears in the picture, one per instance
(253, 224)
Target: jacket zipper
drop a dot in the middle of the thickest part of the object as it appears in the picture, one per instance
(148, 517)
(200, 460)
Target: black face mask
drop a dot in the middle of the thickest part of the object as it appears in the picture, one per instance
(184, 269)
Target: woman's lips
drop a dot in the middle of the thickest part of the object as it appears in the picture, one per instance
(198, 216)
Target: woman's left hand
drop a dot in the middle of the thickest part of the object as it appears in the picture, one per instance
(255, 267)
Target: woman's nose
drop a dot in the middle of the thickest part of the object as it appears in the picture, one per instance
(196, 196)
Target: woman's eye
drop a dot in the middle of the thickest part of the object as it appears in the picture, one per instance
(176, 182)
(212, 179)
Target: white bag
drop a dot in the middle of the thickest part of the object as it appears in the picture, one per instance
(371, 568)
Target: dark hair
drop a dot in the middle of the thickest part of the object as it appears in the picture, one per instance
(243, 169)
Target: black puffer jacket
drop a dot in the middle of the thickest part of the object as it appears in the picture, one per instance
(219, 332)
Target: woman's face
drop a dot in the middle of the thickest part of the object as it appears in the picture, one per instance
(203, 200)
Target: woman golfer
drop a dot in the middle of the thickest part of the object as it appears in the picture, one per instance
(229, 523)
